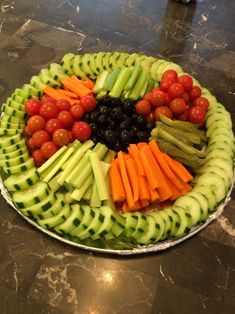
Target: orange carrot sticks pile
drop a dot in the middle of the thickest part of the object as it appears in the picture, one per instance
(74, 89)
(146, 175)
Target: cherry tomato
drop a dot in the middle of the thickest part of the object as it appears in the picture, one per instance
(148, 97)
(176, 90)
(77, 111)
(52, 125)
(158, 97)
(27, 132)
(32, 106)
(165, 83)
(38, 157)
(202, 102)
(183, 116)
(30, 145)
(185, 97)
(177, 106)
(88, 103)
(195, 92)
(61, 137)
(81, 131)
(187, 82)
(143, 108)
(46, 98)
(166, 111)
(40, 137)
(150, 117)
(66, 119)
(168, 99)
(36, 123)
(48, 149)
(170, 74)
(63, 104)
(49, 110)
(197, 114)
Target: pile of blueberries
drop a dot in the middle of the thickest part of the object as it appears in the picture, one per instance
(116, 124)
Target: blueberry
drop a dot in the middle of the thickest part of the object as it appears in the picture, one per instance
(102, 121)
(124, 125)
(129, 106)
(93, 116)
(141, 121)
(103, 109)
(150, 126)
(125, 137)
(117, 146)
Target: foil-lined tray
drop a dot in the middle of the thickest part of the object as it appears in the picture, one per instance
(159, 246)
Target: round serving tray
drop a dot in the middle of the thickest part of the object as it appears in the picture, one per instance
(159, 246)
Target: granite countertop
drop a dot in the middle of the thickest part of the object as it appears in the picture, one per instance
(39, 274)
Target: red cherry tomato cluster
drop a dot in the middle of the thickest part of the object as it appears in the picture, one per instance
(52, 124)
(177, 98)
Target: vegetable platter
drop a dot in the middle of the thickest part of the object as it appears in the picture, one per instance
(116, 153)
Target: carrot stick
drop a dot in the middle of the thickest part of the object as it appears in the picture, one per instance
(116, 185)
(154, 195)
(150, 167)
(78, 89)
(133, 177)
(66, 93)
(141, 144)
(176, 191)
(125, 207)
(134, 153)
(163, 164)
(143, 203)
(125, 180)
(186, 188)
(89, 83)
(143, 190)
(52, 92)
(178, 168)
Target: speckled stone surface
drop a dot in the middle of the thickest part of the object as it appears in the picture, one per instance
(41, 275)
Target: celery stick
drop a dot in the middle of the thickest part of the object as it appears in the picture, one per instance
(120, 82)
(74, 160)
(108, 85)
(78, 193)
(101, 94)
(99, 176)
(51, 160)
(53, 171)
(94, 199)
(133, 78)
(76, 145)
(67, 197)
(53, 184)
(135, 93)
(87, 194)
(99, 84)
(109, 155)
(143, 91)
(150, 85)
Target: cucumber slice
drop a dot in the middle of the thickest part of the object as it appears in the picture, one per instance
(36, 209)
(73, 220)
(159, 224)
(4, 131)
(215, 182)
(168, 224)
(109, 219)
(213, 132)
(31, 196)
(202, 200)
(220, 154)
(88, 215)
(28, 164)
(207, 193)
(67, 63)
(184, 222)
(151, 232)
(94, 225)
(12, 148)
(9, 140)
(55, 208)
(192, 206)
(21, 181)
(220, 145)
(175, 220)
(51, 222)
(130, 223)
(16, 161)
(140, 226)
(15, 153)
(226, 176)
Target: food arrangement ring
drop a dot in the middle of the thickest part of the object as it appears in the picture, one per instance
(211, 187)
